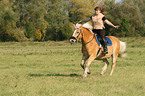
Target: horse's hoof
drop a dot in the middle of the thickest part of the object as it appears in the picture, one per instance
(84, 75)
(89, 72)
(102, 74)
(110, 74)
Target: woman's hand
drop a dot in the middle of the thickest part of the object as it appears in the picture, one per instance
(116, 27)
(79, 22)
(109, 23)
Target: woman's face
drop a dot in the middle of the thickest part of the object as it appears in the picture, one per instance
(97, 11)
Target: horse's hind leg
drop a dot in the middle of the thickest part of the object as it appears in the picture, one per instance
(105, 66)
(114, 63)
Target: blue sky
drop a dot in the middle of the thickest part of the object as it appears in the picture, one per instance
(117, 0)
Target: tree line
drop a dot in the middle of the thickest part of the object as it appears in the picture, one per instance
(42, 20)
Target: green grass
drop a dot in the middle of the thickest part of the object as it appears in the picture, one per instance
(53, 69)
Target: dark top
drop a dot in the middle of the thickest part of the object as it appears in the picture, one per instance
(104, 18)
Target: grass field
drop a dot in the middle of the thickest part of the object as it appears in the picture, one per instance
(53, 69)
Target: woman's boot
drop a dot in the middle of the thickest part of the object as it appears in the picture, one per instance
(105, 46)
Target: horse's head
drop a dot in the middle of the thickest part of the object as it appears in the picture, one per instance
(76, 34)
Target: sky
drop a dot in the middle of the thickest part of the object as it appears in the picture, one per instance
(117, 0)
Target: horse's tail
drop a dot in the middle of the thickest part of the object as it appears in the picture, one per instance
(122, 49)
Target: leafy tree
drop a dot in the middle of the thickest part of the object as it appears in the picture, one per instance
(127, 15)
(140, 4)
(41, 20)
(138, 15)
(57, 19)
(131, 13)
(8, 19)
(32, 18)
(80, 9)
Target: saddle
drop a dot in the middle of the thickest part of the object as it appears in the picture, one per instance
(109, 42)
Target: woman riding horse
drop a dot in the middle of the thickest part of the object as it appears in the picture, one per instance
(90, 48)
(98, 20)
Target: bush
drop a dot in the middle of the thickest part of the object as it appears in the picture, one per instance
(30, 29)
(8, 28)
(37, 35)
(62, 32)
(67, 30)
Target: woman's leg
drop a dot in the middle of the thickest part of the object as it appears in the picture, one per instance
(104, 41)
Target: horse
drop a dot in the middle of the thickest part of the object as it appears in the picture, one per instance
(92, 51)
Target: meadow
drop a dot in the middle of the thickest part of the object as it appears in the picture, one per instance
(52, 68)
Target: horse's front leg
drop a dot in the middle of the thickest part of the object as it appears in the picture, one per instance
(84, 58)
(90, 59)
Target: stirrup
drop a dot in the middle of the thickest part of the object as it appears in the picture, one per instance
(105, 51)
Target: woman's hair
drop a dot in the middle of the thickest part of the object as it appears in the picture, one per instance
(97, 8)
(101, 9)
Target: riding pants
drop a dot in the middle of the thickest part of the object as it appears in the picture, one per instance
(101, 36)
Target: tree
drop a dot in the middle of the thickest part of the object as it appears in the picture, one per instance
(138, 15)
(80, 9)
(32, 18)
(39, 20)
(140, 4)
(8, 19)
(127, 15)
(57, 18)
(133, 14)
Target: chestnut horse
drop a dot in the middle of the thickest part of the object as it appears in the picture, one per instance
(90, 48)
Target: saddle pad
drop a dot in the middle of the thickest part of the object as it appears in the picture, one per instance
(109, 42)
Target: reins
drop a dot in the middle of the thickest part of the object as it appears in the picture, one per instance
(91, 39)
(88, 41)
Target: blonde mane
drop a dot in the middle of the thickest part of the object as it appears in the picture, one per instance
(85, 25)
(88, 26)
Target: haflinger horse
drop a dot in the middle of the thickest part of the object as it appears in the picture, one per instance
(90, 48)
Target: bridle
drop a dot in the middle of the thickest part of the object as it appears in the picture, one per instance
(79, 33)
(82, 35)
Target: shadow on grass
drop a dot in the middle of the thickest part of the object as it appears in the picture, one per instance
(55, 75)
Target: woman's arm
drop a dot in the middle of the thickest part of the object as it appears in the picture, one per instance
(109, 23)
(85, 20)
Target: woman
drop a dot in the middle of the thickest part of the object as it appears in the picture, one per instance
(98, 20)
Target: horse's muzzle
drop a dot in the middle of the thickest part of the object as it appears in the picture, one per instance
(72, 40)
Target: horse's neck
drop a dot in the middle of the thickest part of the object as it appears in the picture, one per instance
(87, 35)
